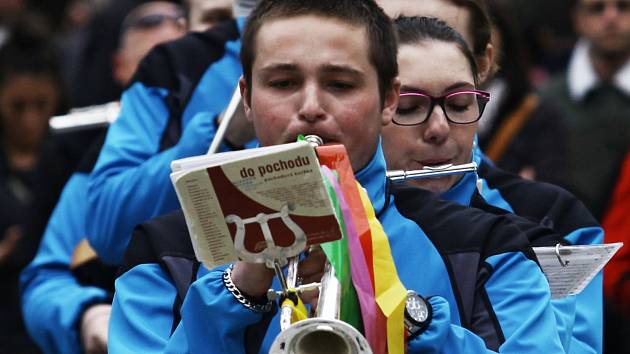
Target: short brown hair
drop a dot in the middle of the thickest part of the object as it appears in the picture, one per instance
(365, 13)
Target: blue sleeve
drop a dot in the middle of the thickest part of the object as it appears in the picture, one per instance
(130, 182)
(519, 297)
(142, 312)
(207, 303)
(588, 325)
(580, 317)
(564, 311)
(212, 321)
(52, 299)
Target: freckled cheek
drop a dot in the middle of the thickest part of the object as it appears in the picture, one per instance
(269, 123)
(272, 129)
(270, 111)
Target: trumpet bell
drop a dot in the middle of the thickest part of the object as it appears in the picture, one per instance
(318, 336)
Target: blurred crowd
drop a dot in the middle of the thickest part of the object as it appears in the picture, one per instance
(560, 113)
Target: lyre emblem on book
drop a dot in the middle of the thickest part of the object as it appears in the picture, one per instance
(272, 252)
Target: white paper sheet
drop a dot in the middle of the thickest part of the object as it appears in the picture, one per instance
(570, 273)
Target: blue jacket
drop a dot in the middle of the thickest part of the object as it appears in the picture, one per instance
(168, 112)
(53, 299)
(501, 301)
(580, 317)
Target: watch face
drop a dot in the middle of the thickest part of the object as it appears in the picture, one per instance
(417, 308)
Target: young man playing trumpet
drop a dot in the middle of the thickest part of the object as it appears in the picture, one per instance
(329, 68)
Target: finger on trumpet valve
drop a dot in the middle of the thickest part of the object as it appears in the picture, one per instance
(307, 287)
(276, 294)
(273, 295)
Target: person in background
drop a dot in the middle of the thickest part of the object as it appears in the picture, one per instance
(204, 14)
(545, 30)
(65, 300)
(594, 95)
(169, 111)
(510, 131)
(146, 26)
(84, 51)
(72, 35)
(102, 38)
(437, 141)
(465, 16)
(92, 81)
(30, 93)
(69, 146)
(515, 115)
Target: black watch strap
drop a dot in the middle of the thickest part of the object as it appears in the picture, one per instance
(418, 314)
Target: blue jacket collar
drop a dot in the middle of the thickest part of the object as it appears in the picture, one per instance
(372, 178)
(463, 190)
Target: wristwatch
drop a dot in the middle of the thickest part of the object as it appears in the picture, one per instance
(418, 314)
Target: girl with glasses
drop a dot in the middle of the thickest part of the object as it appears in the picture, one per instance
(439, 106)
(428, 68)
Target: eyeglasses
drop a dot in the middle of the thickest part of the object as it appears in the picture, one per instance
(460, 107)
(153, 20)
(598, 7)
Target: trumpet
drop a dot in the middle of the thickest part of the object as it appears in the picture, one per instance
(324, 333)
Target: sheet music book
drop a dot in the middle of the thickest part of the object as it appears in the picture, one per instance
(255, 205)
(569, 269)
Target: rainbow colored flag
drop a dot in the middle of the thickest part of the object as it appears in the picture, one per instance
(372, 280)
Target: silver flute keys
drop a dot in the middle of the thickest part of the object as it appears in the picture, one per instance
(431, 172)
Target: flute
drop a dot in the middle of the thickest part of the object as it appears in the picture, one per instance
(431, 172)
(85, 118)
